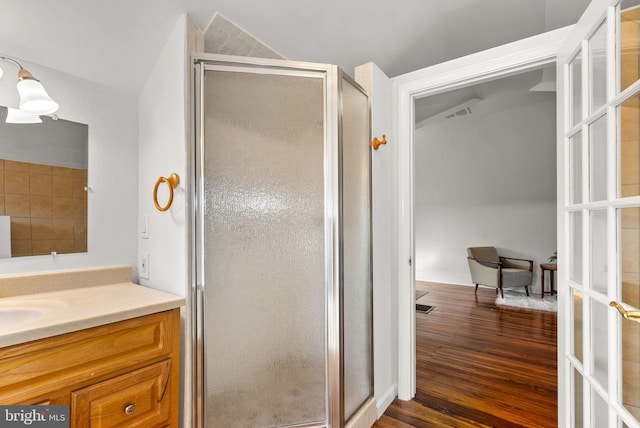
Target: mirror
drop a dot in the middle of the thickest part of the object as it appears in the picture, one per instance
(43, 187)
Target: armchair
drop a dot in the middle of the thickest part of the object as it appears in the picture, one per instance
(491, 270)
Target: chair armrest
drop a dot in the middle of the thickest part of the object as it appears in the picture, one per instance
(520, 260)
(485, 261)
(485, 272)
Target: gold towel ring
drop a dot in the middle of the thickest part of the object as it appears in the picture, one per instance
(173, 182)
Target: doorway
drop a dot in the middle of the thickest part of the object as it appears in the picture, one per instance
(503, 61)
(485, 175)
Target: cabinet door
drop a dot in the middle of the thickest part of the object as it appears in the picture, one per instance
(140, 398)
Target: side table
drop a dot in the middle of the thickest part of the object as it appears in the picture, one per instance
(552, 268)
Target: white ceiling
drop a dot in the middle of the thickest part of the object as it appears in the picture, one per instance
(116, 42)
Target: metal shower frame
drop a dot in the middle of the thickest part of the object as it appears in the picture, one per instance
(333, 234)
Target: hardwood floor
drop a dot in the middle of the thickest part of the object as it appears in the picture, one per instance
(480, 365)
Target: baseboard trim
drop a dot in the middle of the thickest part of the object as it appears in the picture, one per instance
(385, 401)
(444, 277)
(365, 417)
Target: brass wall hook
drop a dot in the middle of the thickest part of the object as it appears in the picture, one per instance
(377, 143)
(630, 315)
(172, 181)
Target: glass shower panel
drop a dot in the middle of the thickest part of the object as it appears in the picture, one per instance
(356, 209)
(264, 252)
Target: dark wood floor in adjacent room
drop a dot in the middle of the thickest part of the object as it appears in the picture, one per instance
(480, 365)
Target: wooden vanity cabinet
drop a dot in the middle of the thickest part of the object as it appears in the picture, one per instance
(124, 374)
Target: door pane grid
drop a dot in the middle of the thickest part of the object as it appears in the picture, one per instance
(592, 219)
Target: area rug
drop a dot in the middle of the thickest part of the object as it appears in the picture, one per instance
(520, 300)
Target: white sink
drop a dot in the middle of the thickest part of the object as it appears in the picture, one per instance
(13, 317)
(17, 313)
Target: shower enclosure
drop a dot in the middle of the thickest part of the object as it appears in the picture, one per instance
(282, 251)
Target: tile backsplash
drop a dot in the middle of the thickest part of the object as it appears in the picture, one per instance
(47, 205)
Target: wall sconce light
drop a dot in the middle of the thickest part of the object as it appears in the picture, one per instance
(16, 116)
(34, 99)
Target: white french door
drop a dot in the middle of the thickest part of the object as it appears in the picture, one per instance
(599, 218)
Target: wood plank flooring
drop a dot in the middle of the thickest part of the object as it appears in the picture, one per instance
(480, 365)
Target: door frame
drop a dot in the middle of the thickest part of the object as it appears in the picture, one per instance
(502, 61)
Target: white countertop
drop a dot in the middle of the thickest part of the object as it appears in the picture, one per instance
(39, 315)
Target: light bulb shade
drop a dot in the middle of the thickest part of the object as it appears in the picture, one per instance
(16, 116)
(34, 99)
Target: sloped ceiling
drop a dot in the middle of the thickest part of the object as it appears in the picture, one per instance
(116, 42)
(431, 106)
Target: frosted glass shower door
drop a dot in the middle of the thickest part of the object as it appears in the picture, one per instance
(263, 242)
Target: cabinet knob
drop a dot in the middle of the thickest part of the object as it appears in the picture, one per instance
(129, 409)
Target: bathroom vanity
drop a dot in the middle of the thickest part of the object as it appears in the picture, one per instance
(110, 351)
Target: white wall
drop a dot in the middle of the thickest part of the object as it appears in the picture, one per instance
(487, 179)
(113, 165)
(163, 141)
(384, 224)
(162, 151)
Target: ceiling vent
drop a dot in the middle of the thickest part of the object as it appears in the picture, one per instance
(464, 112)
(461, 110)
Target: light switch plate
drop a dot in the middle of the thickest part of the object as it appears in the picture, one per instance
(144, 265)
(145, 227)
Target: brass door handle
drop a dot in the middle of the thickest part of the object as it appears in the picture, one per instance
(630, 315)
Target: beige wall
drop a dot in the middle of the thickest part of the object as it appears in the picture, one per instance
(47, 206)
